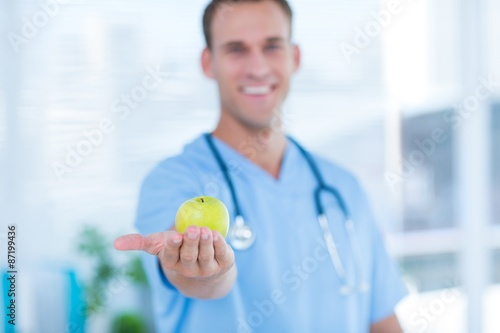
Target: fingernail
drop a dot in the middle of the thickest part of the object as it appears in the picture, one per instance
(192, 235)
(216, 237)
(204, 236)
(176, 240)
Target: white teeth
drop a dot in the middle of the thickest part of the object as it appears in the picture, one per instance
(257, 90)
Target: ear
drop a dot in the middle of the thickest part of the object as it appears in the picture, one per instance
(206, 63)
(296, 58)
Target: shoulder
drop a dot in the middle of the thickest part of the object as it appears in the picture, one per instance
(349, 187)
(338, 175)
(179, 168)
(351, 190)
(165, 188)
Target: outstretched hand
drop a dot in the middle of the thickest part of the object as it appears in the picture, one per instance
(199, 253)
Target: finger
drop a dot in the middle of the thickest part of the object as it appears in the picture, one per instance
(135, 242)
(169, 256)
(206, 252)
(151, 244)
(189, 251)
(223, 253)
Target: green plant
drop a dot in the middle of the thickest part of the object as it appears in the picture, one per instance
(128, 323)
(135, 271)
(97, 247)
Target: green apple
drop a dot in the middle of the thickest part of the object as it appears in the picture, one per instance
(203, 211)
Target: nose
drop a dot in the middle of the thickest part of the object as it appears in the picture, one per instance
(257, 66)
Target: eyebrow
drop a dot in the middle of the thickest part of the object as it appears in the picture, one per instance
(240, 43)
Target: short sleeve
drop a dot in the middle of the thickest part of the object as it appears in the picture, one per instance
(165, 188)
(388, 287)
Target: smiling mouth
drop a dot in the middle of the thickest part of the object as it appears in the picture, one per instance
(257, 90)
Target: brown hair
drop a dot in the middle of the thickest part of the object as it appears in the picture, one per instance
(214, 5)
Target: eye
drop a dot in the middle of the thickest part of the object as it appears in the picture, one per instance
(272, 47)
(235, 49)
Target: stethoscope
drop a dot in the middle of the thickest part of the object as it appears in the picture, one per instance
(241, 236)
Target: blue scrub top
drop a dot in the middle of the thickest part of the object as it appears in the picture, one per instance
(286, 281)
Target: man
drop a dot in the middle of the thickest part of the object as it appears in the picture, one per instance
(285, 282)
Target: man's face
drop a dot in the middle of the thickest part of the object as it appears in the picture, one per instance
(252, 60)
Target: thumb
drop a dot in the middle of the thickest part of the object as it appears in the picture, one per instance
(151, 244)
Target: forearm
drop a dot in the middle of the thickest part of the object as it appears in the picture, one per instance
(203, 288)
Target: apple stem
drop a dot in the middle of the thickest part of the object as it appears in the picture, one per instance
(202, 200)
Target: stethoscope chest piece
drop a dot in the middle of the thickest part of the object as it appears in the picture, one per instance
(241, 236)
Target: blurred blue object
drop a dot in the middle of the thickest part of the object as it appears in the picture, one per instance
(53, 294)
(76, 305)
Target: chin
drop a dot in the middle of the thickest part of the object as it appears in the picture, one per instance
(260, 118)
(255, 124)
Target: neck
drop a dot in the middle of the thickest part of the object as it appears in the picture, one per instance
(263, 146)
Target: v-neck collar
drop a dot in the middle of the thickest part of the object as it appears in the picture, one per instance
(232, 156)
